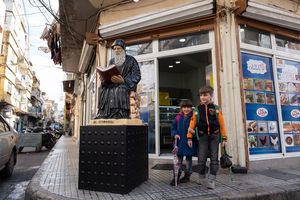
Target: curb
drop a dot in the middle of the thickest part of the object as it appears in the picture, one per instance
(286, 192)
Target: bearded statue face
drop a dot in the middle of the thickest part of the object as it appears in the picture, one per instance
(119, 55)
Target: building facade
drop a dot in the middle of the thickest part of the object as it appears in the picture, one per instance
(20, 100)
(248, 51)
(16, 80)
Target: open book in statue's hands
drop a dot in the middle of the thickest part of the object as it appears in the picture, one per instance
(107, 72)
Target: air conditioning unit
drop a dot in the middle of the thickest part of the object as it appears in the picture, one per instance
(85, 57)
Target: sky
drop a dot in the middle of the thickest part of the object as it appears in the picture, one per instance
(50, 75)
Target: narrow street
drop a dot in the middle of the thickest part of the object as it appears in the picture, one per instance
(28, 163)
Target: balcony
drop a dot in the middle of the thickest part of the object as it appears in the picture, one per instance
(20, 111)
(20, 80)
(22, 62)
(33, 109)
(5, 98)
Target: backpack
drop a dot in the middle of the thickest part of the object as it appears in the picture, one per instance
(196, 111)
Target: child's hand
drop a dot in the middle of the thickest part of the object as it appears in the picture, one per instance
(177, 137)
(190, 143)
(191, 130)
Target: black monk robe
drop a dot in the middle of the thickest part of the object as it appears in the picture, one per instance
(114, 98)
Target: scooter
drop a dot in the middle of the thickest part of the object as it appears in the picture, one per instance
(48, 138)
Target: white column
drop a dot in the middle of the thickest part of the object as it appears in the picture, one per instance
(230, 88)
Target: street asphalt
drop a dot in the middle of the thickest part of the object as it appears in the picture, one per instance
(28, 163)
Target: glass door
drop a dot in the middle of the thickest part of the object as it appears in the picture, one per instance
(180, 77)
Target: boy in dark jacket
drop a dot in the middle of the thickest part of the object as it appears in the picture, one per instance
(209, 122)
(179, 131)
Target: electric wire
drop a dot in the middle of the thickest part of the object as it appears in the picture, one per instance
(74, 33)
(28, 29)
(33, 4)
(27, 14)
(69, 28)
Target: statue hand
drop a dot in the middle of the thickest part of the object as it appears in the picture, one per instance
(117, 79)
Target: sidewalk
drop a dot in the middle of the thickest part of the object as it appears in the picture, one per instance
(58, 176)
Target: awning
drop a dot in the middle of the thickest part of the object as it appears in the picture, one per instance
(273, 15)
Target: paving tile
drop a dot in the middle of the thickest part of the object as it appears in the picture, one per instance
(61, 176)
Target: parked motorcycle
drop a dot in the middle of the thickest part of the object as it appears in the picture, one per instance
(48, 138)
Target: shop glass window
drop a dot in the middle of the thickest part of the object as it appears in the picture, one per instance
(93, 99)
(287, 44)
(255, 37)
(260, 104)
(184, 41)
(139, 49)
(146, 92)
(288, 73)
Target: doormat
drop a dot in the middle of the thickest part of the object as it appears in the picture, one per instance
(163, 167)
(171, 166)
(278, 174)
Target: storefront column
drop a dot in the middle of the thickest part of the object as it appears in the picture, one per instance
(230, 86)
(101, 54)
(78, 111)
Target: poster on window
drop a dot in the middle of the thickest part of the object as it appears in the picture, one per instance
(260, 104)
(288, 73)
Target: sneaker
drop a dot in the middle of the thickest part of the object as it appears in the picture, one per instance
(185, 179)
(211, 184)
(211, 181)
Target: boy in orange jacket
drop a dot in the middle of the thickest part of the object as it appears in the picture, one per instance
(208, 121)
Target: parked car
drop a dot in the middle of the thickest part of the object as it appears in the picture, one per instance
(8, 148)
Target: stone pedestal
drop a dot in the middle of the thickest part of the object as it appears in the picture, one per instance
(113, 158)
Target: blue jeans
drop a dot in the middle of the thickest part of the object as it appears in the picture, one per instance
(208, 146)
(189, 164)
